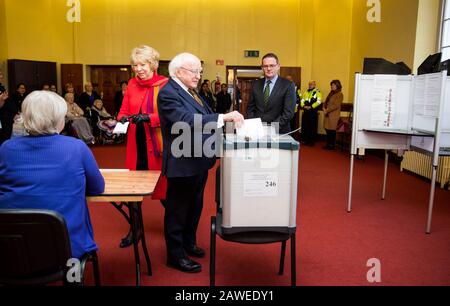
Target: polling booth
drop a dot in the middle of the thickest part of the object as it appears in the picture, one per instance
(393, 112)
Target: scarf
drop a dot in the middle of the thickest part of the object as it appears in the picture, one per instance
(153, 86)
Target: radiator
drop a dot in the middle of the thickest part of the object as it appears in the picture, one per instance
(420, 164)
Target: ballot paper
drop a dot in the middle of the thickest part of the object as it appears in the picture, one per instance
(251, 130)
(121, 128)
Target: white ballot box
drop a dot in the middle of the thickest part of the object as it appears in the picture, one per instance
(258, 184)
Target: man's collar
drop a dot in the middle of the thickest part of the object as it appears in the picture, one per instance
(272, 80)
(177, 80)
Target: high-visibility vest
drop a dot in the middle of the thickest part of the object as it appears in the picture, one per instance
(311, 98)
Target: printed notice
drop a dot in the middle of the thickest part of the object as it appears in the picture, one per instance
(383, 101)
(427, 95)
(260, 184)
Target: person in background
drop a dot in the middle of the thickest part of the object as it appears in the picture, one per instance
(223, 100)
(295, 121)
(332, 112)
(8, 112)
(88, 97)
(187, 174)
(46, 87)
(139, 107)
(46, 170)
(273, 97)
(78, 122)
(53, 88)
(3, 114)
(69, 88)
(206, 94)
(310, 103)
(101, 120)
(118, 98)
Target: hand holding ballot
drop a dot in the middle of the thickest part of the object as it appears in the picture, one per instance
(235, 117)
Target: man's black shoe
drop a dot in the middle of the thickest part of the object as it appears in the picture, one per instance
(185, 265)
(195, 251)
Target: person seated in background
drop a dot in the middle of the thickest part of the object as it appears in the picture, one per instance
(46, 170)
(88, 97)
(223, 100)
(69, 88)
(78, 122)
(206, 94)
(102, 121)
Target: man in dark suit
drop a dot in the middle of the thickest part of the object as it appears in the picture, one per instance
(187, 123)
(273, 97)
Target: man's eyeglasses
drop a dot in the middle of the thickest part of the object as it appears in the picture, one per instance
(194, 71)
(265, 67)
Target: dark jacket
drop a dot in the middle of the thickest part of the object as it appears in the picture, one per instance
(281, 105)
(175, 106)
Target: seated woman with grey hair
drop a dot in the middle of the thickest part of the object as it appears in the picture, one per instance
(45, 170)
(78, 122)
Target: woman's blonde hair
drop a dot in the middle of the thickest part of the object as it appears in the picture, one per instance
(145, 54)
(43, 112)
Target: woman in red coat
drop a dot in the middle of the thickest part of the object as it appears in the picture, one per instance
(139, 106)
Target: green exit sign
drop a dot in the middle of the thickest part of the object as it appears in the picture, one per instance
(251, 53)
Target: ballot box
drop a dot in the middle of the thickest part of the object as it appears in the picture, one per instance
(258, 184)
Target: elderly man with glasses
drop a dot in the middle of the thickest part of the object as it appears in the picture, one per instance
(273, 97)
(187, 125)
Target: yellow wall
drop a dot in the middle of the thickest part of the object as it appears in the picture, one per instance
(3, 42)
(427, 27)
(331, 43)
(328, 39)
(392, 39)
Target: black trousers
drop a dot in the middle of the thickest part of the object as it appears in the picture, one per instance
(309, 126)
(331, 138)
(184, 204)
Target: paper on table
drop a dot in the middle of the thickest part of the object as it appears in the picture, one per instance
(252, 129)
(121, 128)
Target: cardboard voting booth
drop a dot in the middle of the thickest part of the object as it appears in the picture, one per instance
(258, 184)
(393, 112)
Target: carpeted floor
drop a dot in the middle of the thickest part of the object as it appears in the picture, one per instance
(333, 247)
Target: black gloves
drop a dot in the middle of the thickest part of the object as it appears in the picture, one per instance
(124, 119)
(140, 118)
(313, 100)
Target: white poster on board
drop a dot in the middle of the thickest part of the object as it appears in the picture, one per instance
(383, 106)
(427, 95)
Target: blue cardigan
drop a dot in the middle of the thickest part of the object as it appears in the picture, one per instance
(52, 172)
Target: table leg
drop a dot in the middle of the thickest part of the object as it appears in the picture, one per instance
(133, 206)
(144, 243)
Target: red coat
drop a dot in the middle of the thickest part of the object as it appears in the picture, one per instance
(141, 97)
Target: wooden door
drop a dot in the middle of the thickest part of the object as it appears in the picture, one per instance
(72, 73)
(45, 73)
(106, 81)
(31, 73)
(246, 94)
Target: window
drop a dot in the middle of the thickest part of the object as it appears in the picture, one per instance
(445, 38)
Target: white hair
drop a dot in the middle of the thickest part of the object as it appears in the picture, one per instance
(43, 112)
(179, 60)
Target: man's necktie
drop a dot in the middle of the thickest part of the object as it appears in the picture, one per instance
(196, 97)
(267, 92)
